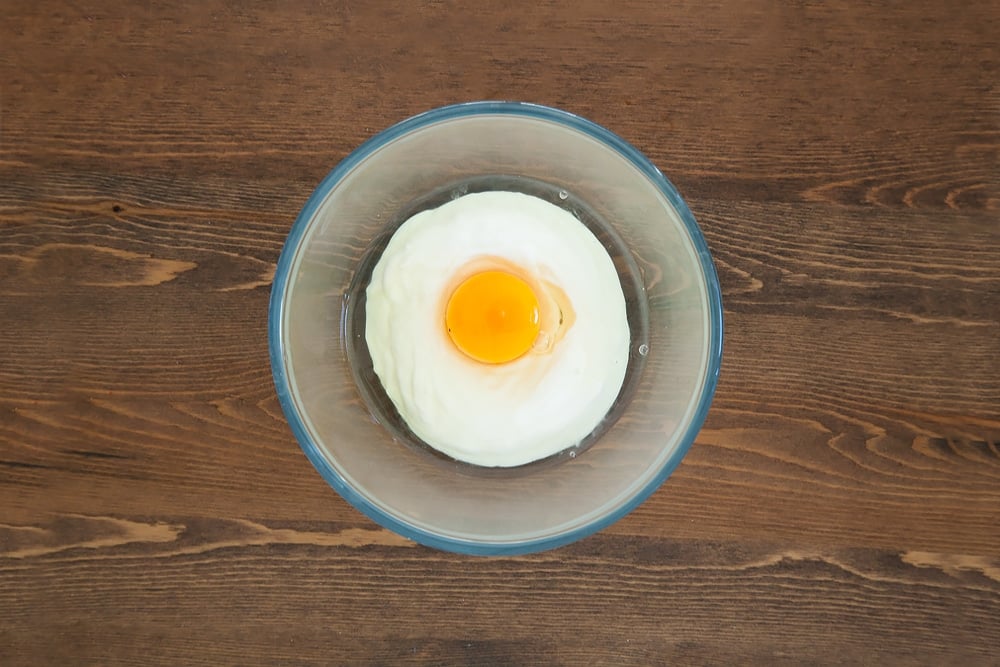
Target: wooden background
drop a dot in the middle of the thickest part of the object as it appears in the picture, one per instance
(841, 505)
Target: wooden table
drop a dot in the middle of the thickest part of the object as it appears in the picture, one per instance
(841, 504)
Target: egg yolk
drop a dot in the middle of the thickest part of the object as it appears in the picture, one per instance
(492, 317)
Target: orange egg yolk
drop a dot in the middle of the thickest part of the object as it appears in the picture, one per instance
(492, 317)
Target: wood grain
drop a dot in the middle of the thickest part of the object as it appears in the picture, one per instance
(841, 505)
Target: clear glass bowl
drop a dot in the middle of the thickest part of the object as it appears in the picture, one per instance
(334, 402)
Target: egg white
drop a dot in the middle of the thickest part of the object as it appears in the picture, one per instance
(505, 414)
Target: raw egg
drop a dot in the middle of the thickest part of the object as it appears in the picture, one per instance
(492, 316)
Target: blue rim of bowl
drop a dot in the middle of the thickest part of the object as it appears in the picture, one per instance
(287, 259)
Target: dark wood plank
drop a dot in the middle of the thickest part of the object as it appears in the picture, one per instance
(841, 505)
(367, 596)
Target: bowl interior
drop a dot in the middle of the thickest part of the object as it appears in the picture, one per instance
(355, 308)
(355, 442)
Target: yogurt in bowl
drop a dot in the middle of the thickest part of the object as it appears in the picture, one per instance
(496, 324)
(495, 328)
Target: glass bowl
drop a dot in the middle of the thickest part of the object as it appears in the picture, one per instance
(335, 404)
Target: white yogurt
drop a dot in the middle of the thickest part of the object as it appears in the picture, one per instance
(511, 413)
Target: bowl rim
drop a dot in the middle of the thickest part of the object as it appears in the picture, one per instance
(276, 342)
